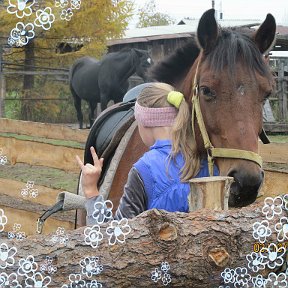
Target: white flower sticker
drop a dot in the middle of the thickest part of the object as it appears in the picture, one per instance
(259, 281)
(93, 236)
(44, 18)
(162, 274)
(60, 236)
(242, 277)
(273, 256)
(3, 220)
(48, 266)
(29, 191)
(3, 158)
(7, 255)
(282, 229)
(22, 33)
(27, 266)
(118, 230)
(228, 275)
(102, 211)
(20, 7)
(156, 275)
(91, 266)
(166, 279)
(93, 284)
(9, 280)
(279, 281)
(255, 262)
(285, 202)
(66, 14)
(75, 4)
(61, 3)
(75, 281)
(16, 234)
(261, 231)
(272, 207)
(37, 280)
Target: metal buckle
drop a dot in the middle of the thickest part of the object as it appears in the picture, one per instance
(39, 226)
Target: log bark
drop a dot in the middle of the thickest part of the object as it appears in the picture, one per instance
(197, 245)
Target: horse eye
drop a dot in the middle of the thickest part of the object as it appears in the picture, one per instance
(207, 92)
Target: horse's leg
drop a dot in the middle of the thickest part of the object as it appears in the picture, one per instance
(104, 101)
(92, 106)
(77, 104)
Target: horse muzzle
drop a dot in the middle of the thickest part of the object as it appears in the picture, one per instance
(245, 188)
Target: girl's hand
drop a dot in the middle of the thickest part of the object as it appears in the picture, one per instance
(91, 174)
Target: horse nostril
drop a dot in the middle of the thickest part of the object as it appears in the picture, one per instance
(244, 189)
(233, 173)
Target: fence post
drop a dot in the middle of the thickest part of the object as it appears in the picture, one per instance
(2, 86)
(285, 92)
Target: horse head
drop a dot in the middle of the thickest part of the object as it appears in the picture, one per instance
(231, 81)
(143, 62)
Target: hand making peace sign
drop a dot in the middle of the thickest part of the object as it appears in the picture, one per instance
(91, 174)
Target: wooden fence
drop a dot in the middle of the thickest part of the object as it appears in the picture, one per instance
(35, 152)
(279, 100)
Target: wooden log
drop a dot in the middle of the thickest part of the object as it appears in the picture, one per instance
(45, 130)
(209, 192)
(35, 153)
(197, 245)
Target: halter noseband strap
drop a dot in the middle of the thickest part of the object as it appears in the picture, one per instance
(213, 152)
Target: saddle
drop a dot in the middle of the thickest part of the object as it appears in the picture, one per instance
(107, 132)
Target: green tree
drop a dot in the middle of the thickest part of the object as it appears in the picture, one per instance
(149, 16)
(90, 27)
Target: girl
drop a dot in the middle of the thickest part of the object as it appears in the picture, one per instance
(159, 179)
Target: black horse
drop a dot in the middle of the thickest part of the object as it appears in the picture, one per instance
(101, 81)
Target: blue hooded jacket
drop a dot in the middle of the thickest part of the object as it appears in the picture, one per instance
(161, 177)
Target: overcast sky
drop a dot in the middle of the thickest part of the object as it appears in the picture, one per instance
(232, 9)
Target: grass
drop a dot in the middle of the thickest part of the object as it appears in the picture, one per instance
(45, 176)
(278, 138)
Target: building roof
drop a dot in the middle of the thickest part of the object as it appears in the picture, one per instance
(187, 28)
(224, 22)
(174, 31)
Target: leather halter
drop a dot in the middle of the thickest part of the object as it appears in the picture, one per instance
(213, 152)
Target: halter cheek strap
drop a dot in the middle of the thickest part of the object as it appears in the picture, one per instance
(213, 152)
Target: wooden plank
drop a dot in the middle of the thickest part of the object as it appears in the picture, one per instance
(275, 183)
(276, 127)
(274, 152)
(35, 153)
(45, 130)
(28, 221)
(46, 196)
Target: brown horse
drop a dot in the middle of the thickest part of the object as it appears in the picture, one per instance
(225, 79)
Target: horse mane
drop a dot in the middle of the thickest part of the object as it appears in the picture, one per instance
(233, 44)
(174, 67)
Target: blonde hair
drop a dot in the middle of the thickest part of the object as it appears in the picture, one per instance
(155, 96)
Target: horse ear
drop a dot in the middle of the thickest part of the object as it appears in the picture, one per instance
(207, 31)
(265, 35)
(138, 52)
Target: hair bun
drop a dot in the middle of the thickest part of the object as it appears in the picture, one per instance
(175, 98)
